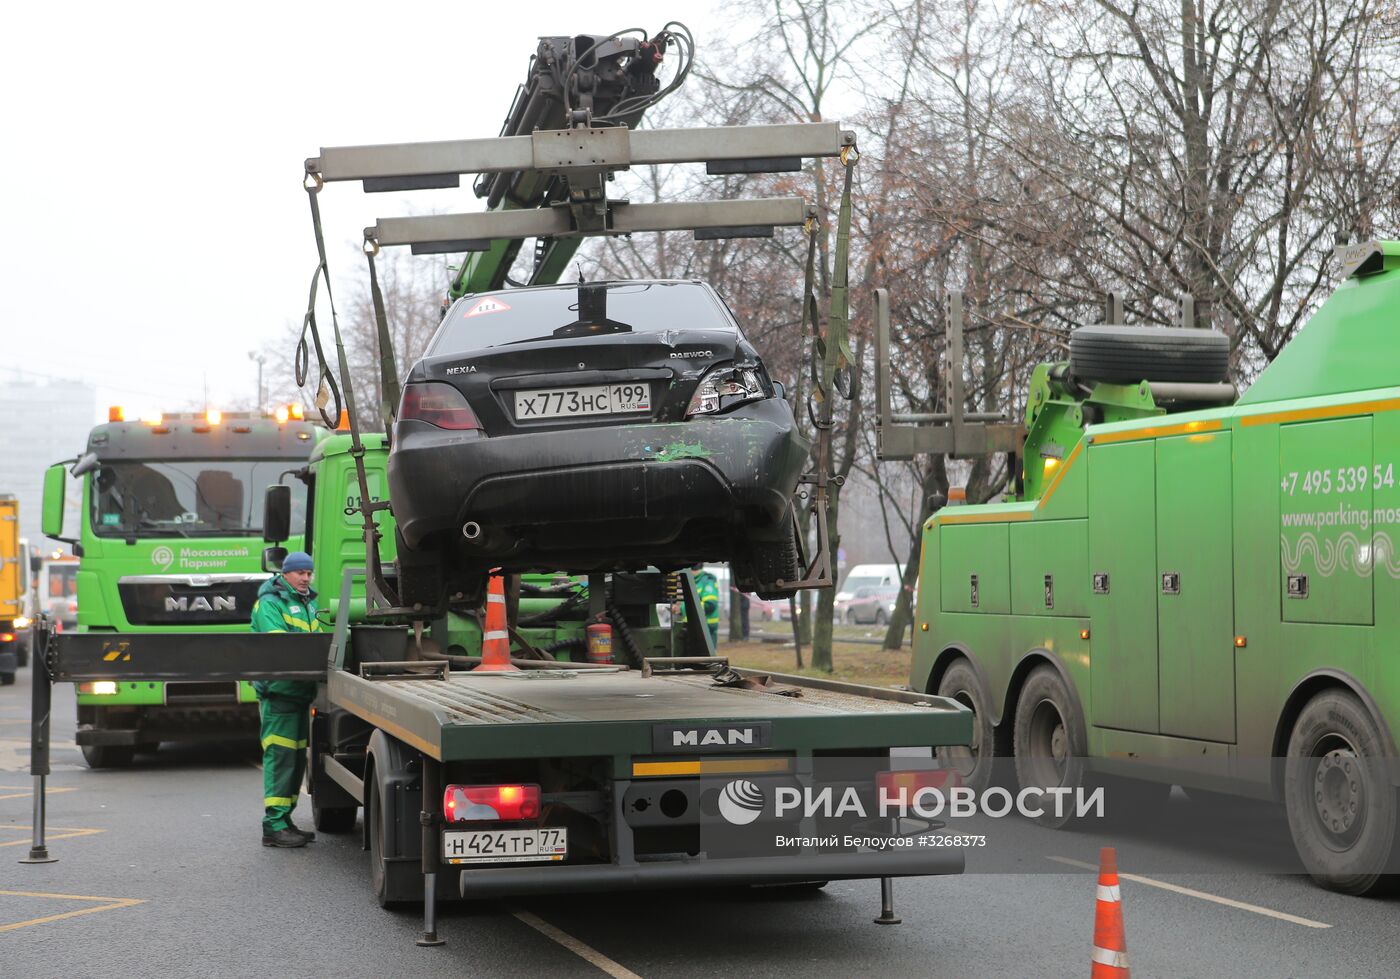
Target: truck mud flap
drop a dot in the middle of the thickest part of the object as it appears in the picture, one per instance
(497, 882)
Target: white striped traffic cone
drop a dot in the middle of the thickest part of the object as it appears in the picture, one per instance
(495, 640)
(1110, 945)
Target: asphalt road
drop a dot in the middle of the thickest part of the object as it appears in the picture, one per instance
(161, 873)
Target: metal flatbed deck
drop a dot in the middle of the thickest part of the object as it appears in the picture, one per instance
(613, 712)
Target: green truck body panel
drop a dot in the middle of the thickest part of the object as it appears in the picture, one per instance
(108, 560)
(1276, 520)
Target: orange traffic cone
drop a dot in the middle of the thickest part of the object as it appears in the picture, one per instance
(1110, 946)
(495, 640)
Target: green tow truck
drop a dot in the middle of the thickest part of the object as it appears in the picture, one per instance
(661, 769)
(1193, 588)
(170, 541)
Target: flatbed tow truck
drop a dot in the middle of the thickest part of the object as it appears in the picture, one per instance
(558, 776)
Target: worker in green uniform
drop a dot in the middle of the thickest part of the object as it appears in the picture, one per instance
(285, 603)
(707, 589)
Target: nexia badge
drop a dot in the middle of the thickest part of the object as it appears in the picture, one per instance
(706, 738)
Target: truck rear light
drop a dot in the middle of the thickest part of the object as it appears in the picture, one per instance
(7, 637)
(100, 688)
(475, 803)
(891, 784)
(437, 404)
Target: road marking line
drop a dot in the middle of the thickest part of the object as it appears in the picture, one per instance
(585, 952)
(110, 904)
(20, 792)
(1189, 892)
(52, 833)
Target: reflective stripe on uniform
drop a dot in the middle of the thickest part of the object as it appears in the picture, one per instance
(295, 623)
(1110, 957)
(282, 742)
(277, 800)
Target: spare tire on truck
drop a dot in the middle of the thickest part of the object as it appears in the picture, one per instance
(1129, 354)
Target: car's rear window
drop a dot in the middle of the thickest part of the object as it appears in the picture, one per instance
(582, 310)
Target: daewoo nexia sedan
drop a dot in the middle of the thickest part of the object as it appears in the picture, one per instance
(591, 427)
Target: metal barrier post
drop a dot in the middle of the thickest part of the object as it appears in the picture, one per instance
(41, 701)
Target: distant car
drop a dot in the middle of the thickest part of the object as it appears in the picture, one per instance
(598, 426)
(871, 604)
(765, 610)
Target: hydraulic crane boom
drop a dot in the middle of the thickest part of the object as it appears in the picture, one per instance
(584, 80)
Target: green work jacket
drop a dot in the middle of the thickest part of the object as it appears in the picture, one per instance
(281, 609)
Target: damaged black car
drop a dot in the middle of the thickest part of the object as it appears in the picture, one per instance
(599, 426)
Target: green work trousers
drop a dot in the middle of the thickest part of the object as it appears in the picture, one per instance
(286, 725)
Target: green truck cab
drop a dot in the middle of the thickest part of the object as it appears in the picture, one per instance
(1207, 597)
(170, 540)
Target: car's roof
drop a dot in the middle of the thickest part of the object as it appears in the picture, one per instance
(590, 282)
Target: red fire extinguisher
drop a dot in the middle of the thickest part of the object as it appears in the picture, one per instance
(600, 643)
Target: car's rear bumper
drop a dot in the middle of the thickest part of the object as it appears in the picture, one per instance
(650, 476)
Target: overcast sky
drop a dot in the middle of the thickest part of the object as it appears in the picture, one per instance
(154, 226)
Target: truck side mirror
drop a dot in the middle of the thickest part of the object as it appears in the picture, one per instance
(272, 558)
(779, 389)
(55, 482)
(277, 514)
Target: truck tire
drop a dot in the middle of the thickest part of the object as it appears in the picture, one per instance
(389, 879)
(333, 819)
(1046, 742)
(6, 679)
(108, 755)
(1342, 808)
(974, 762)
(1129, 354)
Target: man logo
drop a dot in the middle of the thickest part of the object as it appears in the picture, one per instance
(200, 603)
(741, 802)
(163, 556)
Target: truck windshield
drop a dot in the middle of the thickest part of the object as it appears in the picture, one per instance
(582, 310)
(188, 498)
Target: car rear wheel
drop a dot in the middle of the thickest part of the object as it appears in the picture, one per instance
(420, 574)
(770, 562)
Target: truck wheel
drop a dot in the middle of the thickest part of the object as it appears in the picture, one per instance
(6, 679)
(389, 880)
(1342, 809)
(1129, 354)
(1045, 740)
(333, 819)
(973, 762)
(108, 755)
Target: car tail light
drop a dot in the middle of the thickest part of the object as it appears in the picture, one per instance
(470, 803)
(7, 637)
(437, 404)
(724, 387)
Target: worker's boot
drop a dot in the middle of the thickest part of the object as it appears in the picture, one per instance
(287, 838)
(305, 834)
